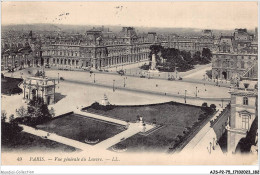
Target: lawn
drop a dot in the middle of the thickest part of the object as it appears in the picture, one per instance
(10, 85)
(30, 143)
(178, 120)
(81, 128)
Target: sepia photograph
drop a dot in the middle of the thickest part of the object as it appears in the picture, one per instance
(129, 83)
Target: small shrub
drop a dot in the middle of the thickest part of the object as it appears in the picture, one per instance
(213, 106)
(204, 104)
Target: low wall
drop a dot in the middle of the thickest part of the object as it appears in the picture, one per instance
(219, 124)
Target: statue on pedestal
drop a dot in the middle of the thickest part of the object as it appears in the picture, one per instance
(153, 64)
(105, 101)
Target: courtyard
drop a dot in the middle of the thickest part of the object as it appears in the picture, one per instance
(79, 90)
(176, 119)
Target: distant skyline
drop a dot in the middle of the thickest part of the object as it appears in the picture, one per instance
(203, 15)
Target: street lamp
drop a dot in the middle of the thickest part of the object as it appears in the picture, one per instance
(94, 79)
(210, 147)
(196, 91)
(124, 82)
(185, 95)
(24, 86)
(58, 77)
(213, 147)
(113, 85)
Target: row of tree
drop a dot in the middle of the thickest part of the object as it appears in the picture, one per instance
(174, 58)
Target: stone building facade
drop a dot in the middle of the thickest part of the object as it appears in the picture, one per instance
(97, 51)
(193, 44)
(97, 48)
(21, 54)
(244, 108)
(235, 54)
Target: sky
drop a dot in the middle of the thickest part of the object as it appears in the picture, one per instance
(210, 15)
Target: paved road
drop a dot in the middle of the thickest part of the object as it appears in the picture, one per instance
(149, 92)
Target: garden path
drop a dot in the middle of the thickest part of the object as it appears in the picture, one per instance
(57, 138)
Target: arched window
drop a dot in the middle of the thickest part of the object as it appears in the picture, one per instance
(245, 101)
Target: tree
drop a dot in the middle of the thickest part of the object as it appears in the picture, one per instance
(3, 116)
(11, 118)
(197, 57)
(155, 49)
(206, 53)
(204, 104)
(37, 112)
(186, 56)
(21, 112)
(213, 106)
(9, 130)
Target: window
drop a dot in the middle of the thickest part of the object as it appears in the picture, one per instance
(245, 101)
(245, 121)
(242, 64)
